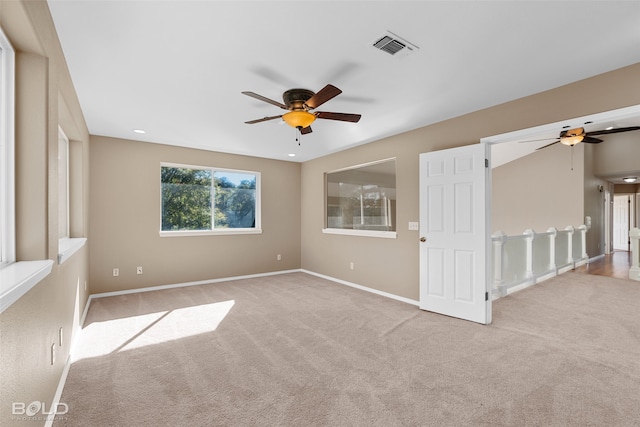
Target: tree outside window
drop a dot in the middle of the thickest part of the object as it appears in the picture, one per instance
(200, 199)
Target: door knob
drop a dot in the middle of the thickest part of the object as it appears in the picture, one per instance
(423, 239)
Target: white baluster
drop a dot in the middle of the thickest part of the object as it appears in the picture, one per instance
(634, 271)
(552, 249)
(583, 242)
(498, 238)
(529, 253)
(570, 230)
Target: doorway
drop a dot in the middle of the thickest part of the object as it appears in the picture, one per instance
(621, 222)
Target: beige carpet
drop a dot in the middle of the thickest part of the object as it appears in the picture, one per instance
(296, 350)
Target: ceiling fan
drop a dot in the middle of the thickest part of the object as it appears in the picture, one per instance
(571, 137)
(300, 102)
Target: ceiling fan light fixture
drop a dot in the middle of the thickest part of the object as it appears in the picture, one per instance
(299, 119)
(630, 179)
(572, 137)
(571, 140)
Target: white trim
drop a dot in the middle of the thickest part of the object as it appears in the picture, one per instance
(362, 165)
(84, 316)
(248, 276)
(56, 397)
(364, 288)
(62, 137)
(68, 246)
(7, 152)
(362, 233)
(595, 258)
(214, 232)
(18, 278)
(552, 128)
(185, 284)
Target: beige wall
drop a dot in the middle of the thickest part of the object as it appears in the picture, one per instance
(542, 190)
(618, 155)
(392, 265)
(125, 219)
(595, 189)
(44, 99)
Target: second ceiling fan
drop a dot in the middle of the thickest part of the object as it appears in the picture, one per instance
(300, 102)
(575, 136)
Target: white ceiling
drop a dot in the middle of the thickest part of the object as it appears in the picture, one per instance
(176, 69)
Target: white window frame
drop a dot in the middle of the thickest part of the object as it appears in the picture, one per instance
(63, 185)
(7, 153)
(16, 278)
(354, 232)
(215, 231)
(67, 245)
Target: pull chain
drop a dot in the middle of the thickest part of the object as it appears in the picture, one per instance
(572, 157)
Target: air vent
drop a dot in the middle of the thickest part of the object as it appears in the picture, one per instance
(394, 45)
(389, 45)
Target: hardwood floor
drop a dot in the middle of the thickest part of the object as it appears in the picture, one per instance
(616, 264)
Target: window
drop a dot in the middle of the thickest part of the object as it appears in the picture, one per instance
(204, 200)
(63, 185)
(7, 177)
(16, 278)
(361, 200)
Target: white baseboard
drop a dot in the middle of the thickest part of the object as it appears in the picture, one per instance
(364, 288)
(250, 276)
(182, 285)
(56, 397)
(595, 258)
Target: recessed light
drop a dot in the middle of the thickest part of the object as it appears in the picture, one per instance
(609, 128)
(139, 131)
(630, 179)
(291, 155)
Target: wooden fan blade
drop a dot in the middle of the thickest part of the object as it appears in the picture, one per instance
(262, 98)
(264, 119)
(548, 145)
(618, 130)
(343, 117)
(306, 130)
(325, 94)
(590, 140)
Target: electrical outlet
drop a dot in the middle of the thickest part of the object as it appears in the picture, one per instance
(351, 266)
(53, 353)
(116, 272)
(414, 226)
(279, 257)
(138, 270)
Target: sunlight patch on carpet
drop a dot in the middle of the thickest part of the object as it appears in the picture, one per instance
(111, 336)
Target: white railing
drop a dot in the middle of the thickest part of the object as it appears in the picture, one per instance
(524, 260)
(634, 270)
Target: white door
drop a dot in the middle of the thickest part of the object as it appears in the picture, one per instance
(454, 230)
(621, 224)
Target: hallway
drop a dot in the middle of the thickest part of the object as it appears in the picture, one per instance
(616, 265)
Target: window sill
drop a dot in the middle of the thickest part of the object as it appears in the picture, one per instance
(362, 233)
(225, 231)
(68, 246)
(18, 278)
